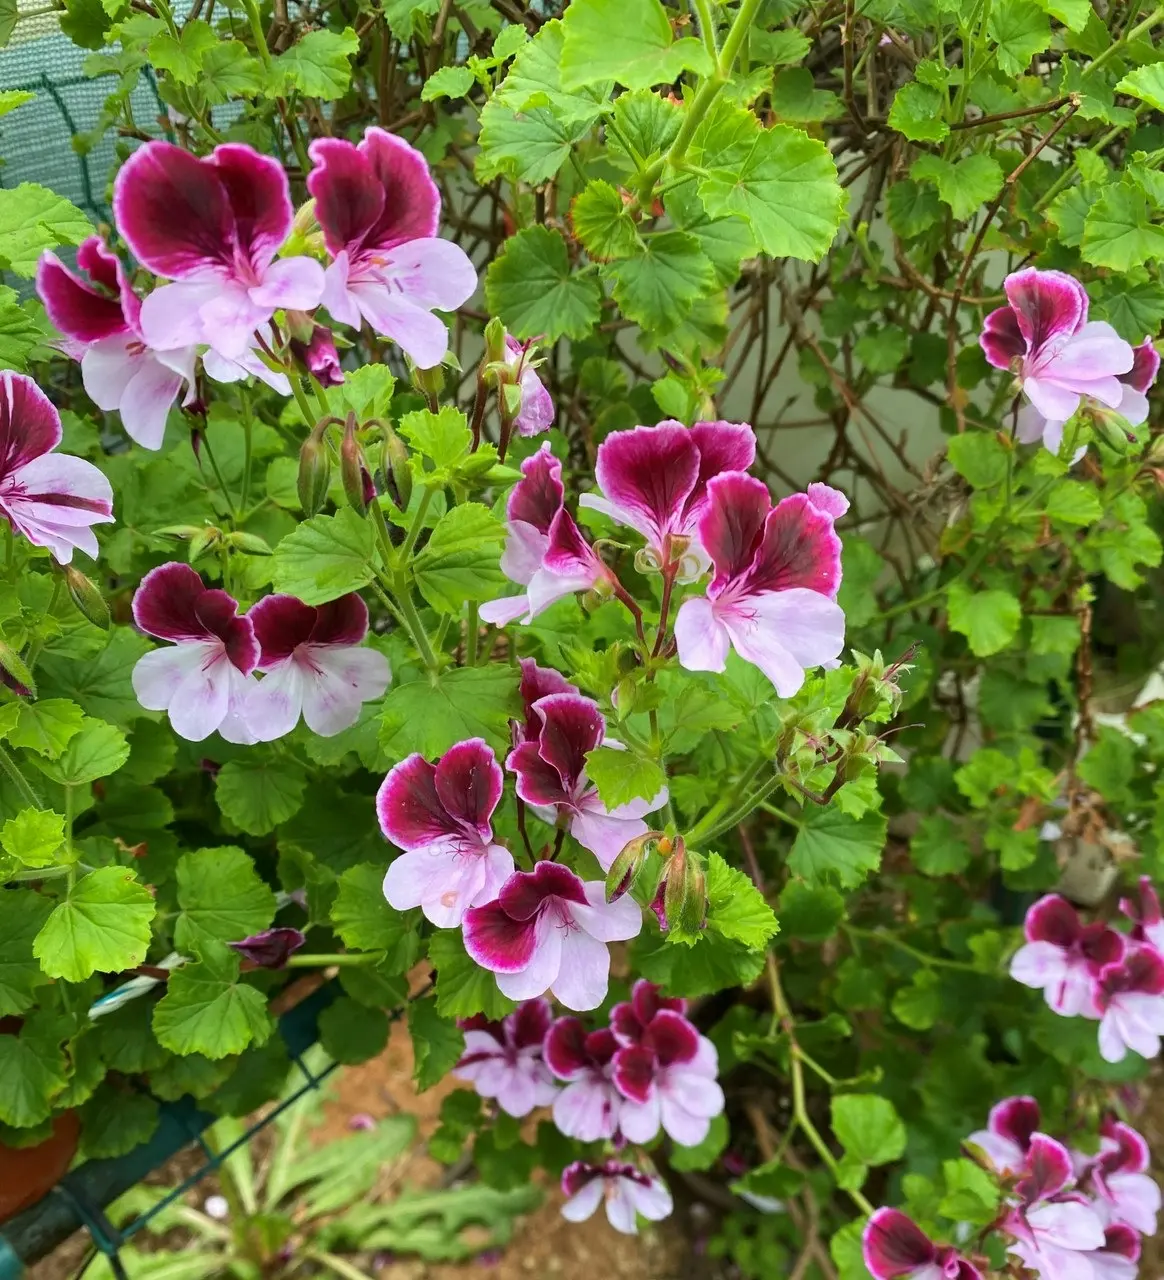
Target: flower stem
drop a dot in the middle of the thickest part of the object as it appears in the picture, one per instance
(348, 959)
(415, 628)
(257, 33)
(416, 526)
(301, 399)
(18, 780)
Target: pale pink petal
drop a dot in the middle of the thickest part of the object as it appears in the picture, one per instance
(440, 880)
(419, 334)
(588, 1110)
(620, 1207)
(338, 680)
(683, 1126)
(276, 702)
(582, 1205)
(542, 971)
(107, 367)
(600, 832)
(1133, 406)
(1031, 425)
(1006, 1156)
(652, 1201)
(640, 1121)
(1069, 1225)
(785, 632)
(702, 638)
(525, 549)
(295, 283)
(147, 401)
(500, 613)
(191, 681)
(435, 274)
(235, 726)
(337, 297)
(584, 969)
(1050, 399)
(1136, 1200)
(607, 921)
(172, 315)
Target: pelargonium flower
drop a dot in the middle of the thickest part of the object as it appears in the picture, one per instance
(100, 315)
(537, 408)
(1051, 1225)
(551, 773)
(626, 1191)
(1129, 996)
(894, 1246)
(1044, 337)
(203, 679)
(772, 598)
(1063, 956)
(536, 682)
(1007, 1136)
(545, 551)
(314, 664)
(668, 1078)
(213, 225)
(271, 948)
(547, 931)
(440, 816)
(51, 498)
(1118, 1258)
(504, 1060)
(379, 209)
(1123, 1192)
(655, 479)
(319, 356)
(630, 1019)
(1146, 915)
(588, 1107)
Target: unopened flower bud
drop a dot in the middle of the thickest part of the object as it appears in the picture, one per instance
(300, 326)
(269, 949)
(430, 383)
(306, 235)
(319, 356)
(1113, 432)
(627, 866)
(203, 541)
(314, 470)
(397, 470)
(495, 349)
(14, 672)
(87, 597)
(352, 469)
(684, 892)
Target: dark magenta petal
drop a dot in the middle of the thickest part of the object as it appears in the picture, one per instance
(732, 523)
(348, 198)
(538, 782)
(218, 613)
(1101, 945)
(1053, 919)
(412, 203)
(410, 811)
(577, 1175)
(1016, 1119)
(281, 623)
(79, 311)
(1131, 1154)
(634, 1072)
(1048, 1169)
(1047, 305)
(625, 1024)
(1001, 340)
(29, 425)
(259, 198)
(1142, 971)
(1145, 367)
(601, 1045)
(98, 261)
(537, 497)
(173, 211)
(530, 1022)
(1123, 1241)
(893, 1245)
(671, 1038)
(319, 356)
(497, 941)
(479, 1022)
(525, 892)
(468, 781)
(1147, 912)
(723, 446)
(571, 726)
(269, 949)
(565, 1050)
(798, 548)
(647, 999)
(538, 682)
(165, 605)
(649, 472)
(568, 552)
(342, 621)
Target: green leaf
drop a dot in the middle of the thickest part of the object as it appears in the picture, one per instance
(437, 1043)
(972, 1194)
(912, 207)
(114, 1121)
(706, 1153)
(207, 1010)
(529, 146)
(623, 776)
(656, 286)
(33, 837)
(102, 926)
(725, 241)
(319, 65)
(714, 964)
(463, 988)
(1020, 29)
(795, 97)
(868, 1127)
(530, 286)
(1073, 14)
(19, 332)
(534, 80)
(1110, 765)
(461, 560)
(351, 1033)
(430, 714)
(325, 558)
(258, 794)
(646, 123)
(221, 897)
(603, 224)
(937, 848)
(1118, 232)
(47, 726)
(98, 750)
(229, 71)
(781, 180)
(10, 99)
(988, 619)
(628, 41)
(861, 567)
(365, 921)
(444, 438)
(831, 846)
(810, 913)
(1134, 310)
(736, 908)
(965, 185)
(1072, 502)
(1144, 83)
(917, 112)
(32, 219)
(182, 57)
(920, 1004)
(22, 916)
(845, 1251)
(447, 82)
(32, 1073)
(8, 17)
(882, 348)
(979, 457)
(101, 684)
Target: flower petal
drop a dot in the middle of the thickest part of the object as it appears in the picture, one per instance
(587, 1110)
(1145, 367)
(77, 309)
(1047, 304)
(524, 893)
(434, 274)
(1001, 340)
(538, 782)
(419, 334)
(1015, 1119)
(276, 702)
(893, 1245)
(339, 679)
(702, 639)
(571, 726)
(583, 1202)
(1048, 1170)
(498, 942)
(343, 621)
(29, 425)
(1052, 919)
(530, 1023)
(732, 524)
(584, 970)
(538, 682)
(259, 198)
(671, 1038)
(201, 700)
(649, 473)
(537, 497)
(280, 624)
(565, 1049)
(290, 283)
(616, 921)
(469, 782)
(785, 632)
(146, 402)
(410, 810)
(799, 548)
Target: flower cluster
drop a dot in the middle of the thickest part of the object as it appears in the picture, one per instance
(1067, 1214)
(1095, 971)
(311, 659)
(649, 1070)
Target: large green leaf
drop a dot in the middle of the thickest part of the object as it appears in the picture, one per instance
(365, 921)
(988, 619)
(656, 284)
(19, 332)
(1119, 232)
(98, 750)
(319, 64)
(32, 1073)
(530, 146)
(463, 988)
(437, 1043)
(735, 907)
(623, 776)
(207, 1010)
(461, 561)
(326, 557)
(831, 846)
(868, 1127)
(1019, 29)
(102, 926)
(33, 837)
(22, 915)
(221, 897)
(258, 794)
(629, 41)
(965, 185)
(430, 714)
(531, 287)
(32, 219)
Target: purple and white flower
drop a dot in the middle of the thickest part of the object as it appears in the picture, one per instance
(1119, 1257)
(440, 815)
(894, 1247)
(379, 210)
(551, 774)
(777, 572)
(548, 931)
(1063, 957)
(1129, 996)
(203, 679)
(630, 1019)
(504, 1060)
(536, 683)
(588, 1107)
(51, 498)
(314, 664)
(1007, 1137)
(626, 1191)
(1123, 1193)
